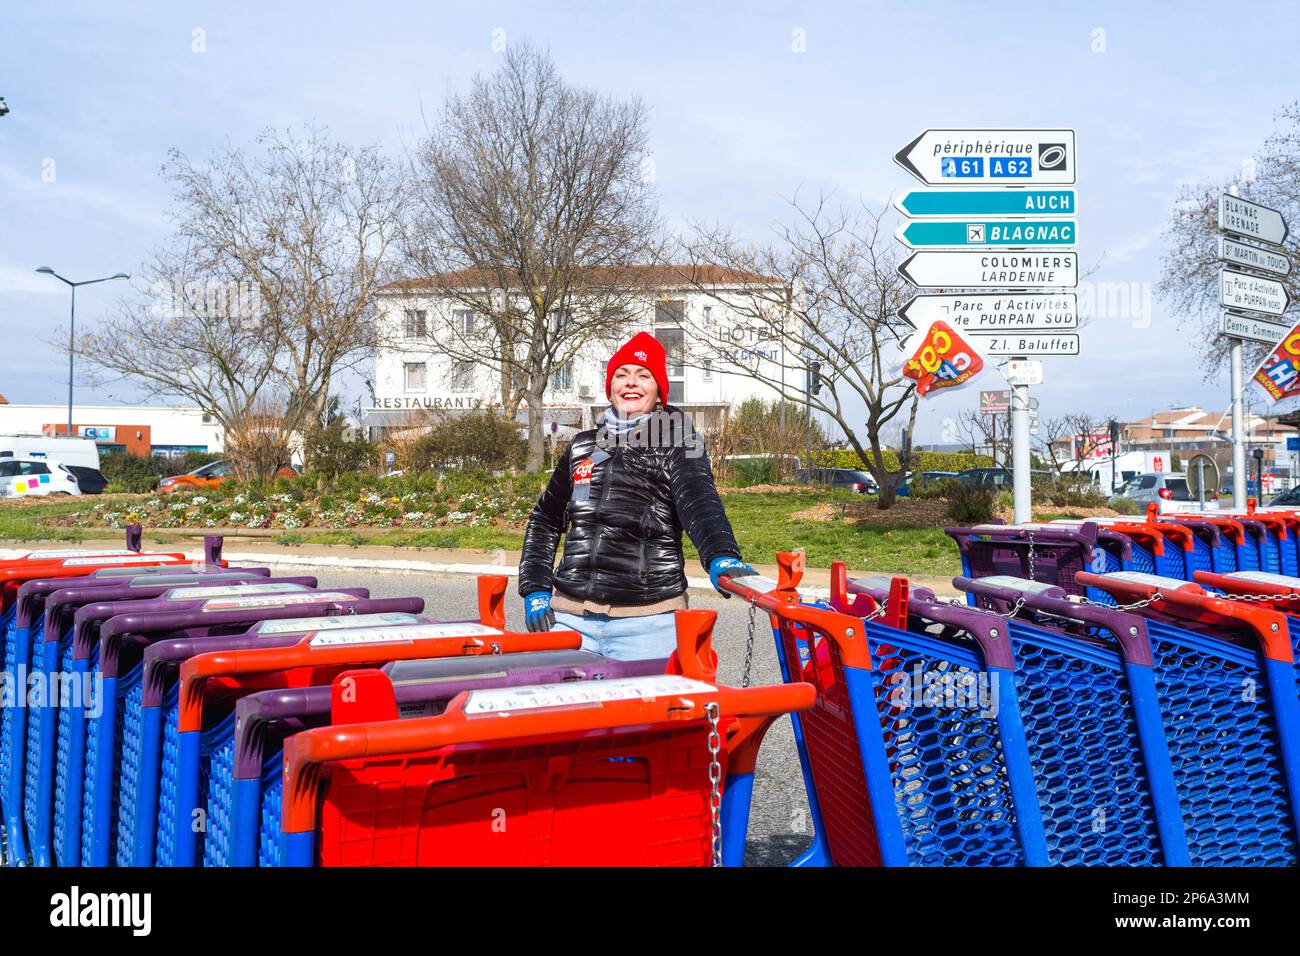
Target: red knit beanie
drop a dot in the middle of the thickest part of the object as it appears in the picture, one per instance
(644, 350)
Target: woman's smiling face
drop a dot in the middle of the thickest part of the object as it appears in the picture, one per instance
(633, 390)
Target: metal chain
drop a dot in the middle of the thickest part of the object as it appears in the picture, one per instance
(715, 782)
(1145, 602)
(749, 645)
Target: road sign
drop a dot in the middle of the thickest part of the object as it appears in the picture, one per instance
(996, 311)
(1250, 328)
(1025, 372)
(963, 234)
(1253, 257)
(1028, 343)
(1241, 217)
(991, 157)
(1293, 442)
(975, 203)
(994, 403)
(1237, 290)
(1202, 476)
(991, 270)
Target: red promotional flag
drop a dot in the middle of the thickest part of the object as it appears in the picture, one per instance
(1278, 376)
(940, 357)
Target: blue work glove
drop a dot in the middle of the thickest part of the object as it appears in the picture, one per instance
(538, 615)
(732, 567)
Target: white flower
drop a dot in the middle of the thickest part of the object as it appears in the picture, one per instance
(198, 500)
(237, 516)
(457, 517)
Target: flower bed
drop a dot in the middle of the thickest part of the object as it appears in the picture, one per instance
(500, 502)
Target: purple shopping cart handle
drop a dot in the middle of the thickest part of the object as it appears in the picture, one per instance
(986, 629)
(876, 587)
(1196, 524)
(172, 649)
(1129, 629)
(90, 617)
(446, 678)
(63, 603)
(144, 627)
(30, 594)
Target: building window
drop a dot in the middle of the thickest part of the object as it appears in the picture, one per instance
(417, 324)
(461, 376)
(708, 316)
(708, 370)
(562, 377)
(674, 343)
(670, 312)
(415, 376)
(558, 321)
(676, 392)
(464, 319)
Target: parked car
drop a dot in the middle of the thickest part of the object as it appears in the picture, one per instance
(210, 476)
(923, 477)
(995, 477)
(1290, 498)
(90, 480)
(1166, 489)
(24, 477)
(853, 479)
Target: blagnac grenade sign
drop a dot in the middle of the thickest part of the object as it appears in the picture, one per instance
(939, 357)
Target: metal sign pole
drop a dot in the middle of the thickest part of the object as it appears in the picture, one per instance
(1200, 482)
(1238, 429)
(1020, 454)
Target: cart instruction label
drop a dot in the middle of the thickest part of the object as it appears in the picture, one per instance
(277, 600)
(756, 582)
(73, 553)
(305, 625)
(225, 590)
(1141, 577)
(505, 700)
(1017, 584)
(402, 634)
(1265, 577)
(115, 559)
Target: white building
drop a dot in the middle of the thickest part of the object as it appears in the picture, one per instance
(137, 429)
(699, 327)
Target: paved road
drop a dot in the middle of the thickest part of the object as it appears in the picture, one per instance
(779, 827)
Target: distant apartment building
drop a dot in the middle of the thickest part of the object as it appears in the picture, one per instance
(1190, 431)
(416, 375)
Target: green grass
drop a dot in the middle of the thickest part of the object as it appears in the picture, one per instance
(762, 523)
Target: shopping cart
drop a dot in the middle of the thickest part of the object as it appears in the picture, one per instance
(245, 780)
(54, 665)
(209, 684)
(1226, 687)
(1086, 688)
(1160, 547)
(1212, 549)
(1249, 539)
(18, 633)
(899, 780)
(1273, 533)
(112, 652)
(1278, 591)
(1049, 553)
(52, 602)
(643, 771)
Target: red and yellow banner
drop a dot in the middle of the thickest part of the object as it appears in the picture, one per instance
(940, 357)
(1278, 376)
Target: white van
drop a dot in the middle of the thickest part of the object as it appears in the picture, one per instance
(81, 452)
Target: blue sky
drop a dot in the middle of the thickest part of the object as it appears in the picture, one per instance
(739, 119)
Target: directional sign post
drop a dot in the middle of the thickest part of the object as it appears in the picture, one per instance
(1252, 293)
(1250, 328)
(991, 157)
(979, 312)
(991, 270)
(930, 204)
(1253, 257)
(1250, 220)
(1237, 290)
(1018, 238)
(1003, 233)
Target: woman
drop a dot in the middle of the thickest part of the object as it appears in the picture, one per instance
(621, 496)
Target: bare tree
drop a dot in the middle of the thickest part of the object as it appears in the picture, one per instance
(269, 279)
(1190, 278)
(989, 433)
(823, 291)
(533, 213)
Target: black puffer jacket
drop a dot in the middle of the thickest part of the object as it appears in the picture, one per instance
(622, 505)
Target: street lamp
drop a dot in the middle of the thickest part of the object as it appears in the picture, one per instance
(72, 324)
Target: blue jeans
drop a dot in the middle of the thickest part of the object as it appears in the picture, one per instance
(651, 637)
